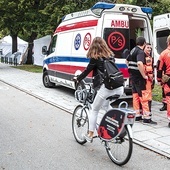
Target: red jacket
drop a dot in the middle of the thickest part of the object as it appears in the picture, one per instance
(163, 65)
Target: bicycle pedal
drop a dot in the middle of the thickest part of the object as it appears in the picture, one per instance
(95, 136)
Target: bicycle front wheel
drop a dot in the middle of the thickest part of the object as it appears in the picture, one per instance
(80, 123)
(120, 149)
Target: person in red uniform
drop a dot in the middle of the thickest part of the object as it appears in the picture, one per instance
(163, 65)
(149, 71)
(136, 67)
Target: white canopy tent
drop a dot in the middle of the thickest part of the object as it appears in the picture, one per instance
(6, 45)
(38, 44)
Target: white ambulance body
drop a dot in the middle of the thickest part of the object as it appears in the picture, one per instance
(161, 30)
(118, 24)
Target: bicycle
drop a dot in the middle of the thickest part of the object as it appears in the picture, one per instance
(114, 129)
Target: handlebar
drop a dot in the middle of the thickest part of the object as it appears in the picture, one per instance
(84, 82)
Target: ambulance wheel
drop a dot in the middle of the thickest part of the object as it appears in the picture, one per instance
(46, 80)
(80, 86)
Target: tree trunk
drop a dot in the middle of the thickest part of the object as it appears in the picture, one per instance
(14, 43)
(29, 55)
(30, 48)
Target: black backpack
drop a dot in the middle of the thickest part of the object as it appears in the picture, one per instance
(113, 77)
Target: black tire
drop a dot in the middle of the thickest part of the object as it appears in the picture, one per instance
(46, 80)
(80, 124)
(120, 149)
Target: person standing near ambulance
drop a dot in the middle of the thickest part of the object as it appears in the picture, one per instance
(149, 70)
(163, 64)
(139, 78)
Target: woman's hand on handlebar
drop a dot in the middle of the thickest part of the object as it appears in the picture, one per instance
(75, 79)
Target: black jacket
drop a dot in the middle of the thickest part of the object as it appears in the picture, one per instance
(136, 54)
(95, 65)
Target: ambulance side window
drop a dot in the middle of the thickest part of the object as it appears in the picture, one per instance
(161, 37)
(52, 44)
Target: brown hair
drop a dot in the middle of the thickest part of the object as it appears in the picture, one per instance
(99, 48)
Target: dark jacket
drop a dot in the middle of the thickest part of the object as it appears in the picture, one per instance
(136, 54)
(95, 65)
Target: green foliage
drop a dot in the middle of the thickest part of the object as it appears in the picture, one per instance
(138, 32)
(10, 16)
(160, 7)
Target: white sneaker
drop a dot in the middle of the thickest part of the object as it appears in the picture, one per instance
(88, 138)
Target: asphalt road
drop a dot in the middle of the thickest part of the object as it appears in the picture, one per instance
(35, 135)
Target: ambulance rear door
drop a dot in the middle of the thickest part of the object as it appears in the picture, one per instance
(161, 30)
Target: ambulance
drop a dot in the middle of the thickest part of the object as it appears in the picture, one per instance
(118, 24)
(161, 30)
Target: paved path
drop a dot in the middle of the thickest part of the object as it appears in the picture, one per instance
(153, 137)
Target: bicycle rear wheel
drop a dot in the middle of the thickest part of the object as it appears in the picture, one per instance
(80, 123)
(120, 149)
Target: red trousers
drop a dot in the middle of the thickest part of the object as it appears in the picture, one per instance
(142, 97)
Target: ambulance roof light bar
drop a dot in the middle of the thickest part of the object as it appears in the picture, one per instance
(148, 11)
(100, 6)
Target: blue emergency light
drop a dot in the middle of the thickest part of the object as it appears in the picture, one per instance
(102, 5)
(147, 10)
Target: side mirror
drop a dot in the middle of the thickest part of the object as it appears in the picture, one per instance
(44, 50)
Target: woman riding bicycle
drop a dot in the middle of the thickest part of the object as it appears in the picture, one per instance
(97, 52)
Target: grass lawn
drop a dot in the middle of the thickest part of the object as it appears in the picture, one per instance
(30, 68)
(157, 93)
